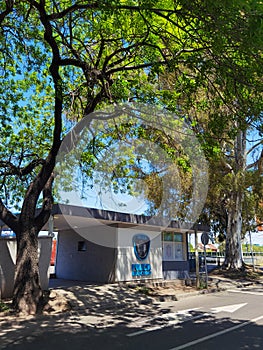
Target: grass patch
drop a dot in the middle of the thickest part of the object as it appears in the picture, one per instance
(4, 307)
(144, 290)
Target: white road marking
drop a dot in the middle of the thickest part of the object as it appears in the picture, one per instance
(181, 316)
(171, 319)
(186, 311)
(173, 315)
(227, 308)
(245, 292)
(200, 340)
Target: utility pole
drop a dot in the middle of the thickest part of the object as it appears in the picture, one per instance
(197, 262)
(205, 240)
(251, 250)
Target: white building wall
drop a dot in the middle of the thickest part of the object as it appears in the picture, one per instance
(94, 263)
(8, 261)
(126, 256)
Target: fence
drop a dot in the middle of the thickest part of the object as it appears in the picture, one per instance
(218, 257)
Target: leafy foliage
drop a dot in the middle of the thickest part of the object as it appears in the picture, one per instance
(62, 60)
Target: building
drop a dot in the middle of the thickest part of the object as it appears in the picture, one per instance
(103, 246)
(96, 245)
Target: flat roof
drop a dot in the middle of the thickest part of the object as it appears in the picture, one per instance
(65, 215)
(111, 217)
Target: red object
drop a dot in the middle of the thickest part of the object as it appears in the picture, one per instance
(53, 253)
(208, 246)
(259, 224)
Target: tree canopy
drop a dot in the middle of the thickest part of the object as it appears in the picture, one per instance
(62, 60)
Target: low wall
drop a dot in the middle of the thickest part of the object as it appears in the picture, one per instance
(8, 259)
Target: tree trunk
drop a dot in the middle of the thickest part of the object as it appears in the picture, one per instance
(233, 257)
(27, 290)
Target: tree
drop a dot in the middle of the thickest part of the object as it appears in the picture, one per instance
(220, 93)
(143, 150)
(68, 59)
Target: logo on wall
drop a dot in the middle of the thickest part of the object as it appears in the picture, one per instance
(141, 246)
(139, 270)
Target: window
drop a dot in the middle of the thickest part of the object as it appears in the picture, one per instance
(172, 246)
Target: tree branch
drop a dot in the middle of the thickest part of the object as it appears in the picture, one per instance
(9, 9)
(42, 218)
(258, 163)
(139, 66)
(71, 9)
(8, 218)
(15, 170)
(39, 182)
(97, 5)
(254, 146)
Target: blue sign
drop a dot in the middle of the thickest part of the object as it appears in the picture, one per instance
(141, 270)
(141, 246)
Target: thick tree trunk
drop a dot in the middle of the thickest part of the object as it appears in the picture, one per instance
(27, 290)
(233, 257)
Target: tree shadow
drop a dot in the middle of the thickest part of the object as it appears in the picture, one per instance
(118, 317)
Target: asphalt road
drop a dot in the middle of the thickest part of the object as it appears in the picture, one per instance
(227, 320)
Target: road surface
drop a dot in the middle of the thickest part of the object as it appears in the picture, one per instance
(232, 319)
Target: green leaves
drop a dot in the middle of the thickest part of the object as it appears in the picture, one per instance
(196, 59)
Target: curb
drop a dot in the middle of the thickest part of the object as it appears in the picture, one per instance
(180, 296)
(226, 284)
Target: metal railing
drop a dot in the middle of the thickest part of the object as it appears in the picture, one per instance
(218, 257)
(222, 254)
